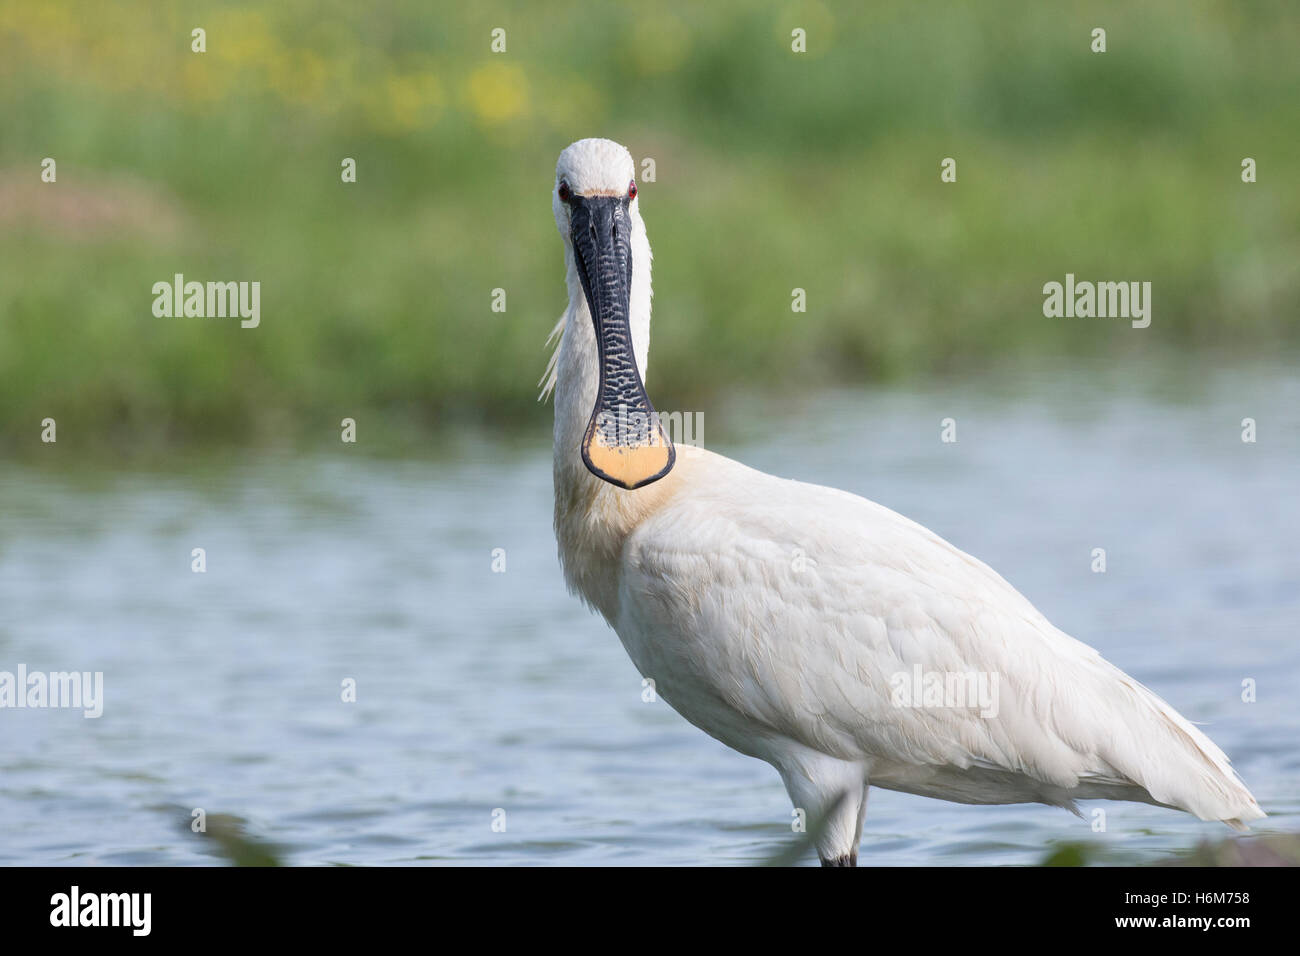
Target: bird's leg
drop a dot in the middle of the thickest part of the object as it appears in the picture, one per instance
(851, 858)
(832, 794)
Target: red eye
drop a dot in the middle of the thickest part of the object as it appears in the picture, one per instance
(564, 191)
(631, 189)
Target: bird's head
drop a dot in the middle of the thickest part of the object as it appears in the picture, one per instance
(595, 204)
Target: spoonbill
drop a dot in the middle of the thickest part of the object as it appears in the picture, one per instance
(806, 626)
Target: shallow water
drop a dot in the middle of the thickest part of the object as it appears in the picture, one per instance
(479, 690)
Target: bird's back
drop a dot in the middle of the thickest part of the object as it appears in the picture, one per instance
(779, 616)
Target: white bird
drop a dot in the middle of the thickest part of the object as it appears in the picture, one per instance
(839, 667)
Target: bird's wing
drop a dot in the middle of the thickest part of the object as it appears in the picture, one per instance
(813, 613)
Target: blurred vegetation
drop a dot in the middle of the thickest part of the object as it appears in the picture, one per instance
(227, 838)
(774, 170)
(1272, 849)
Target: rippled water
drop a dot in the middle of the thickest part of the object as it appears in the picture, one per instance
(479, 690)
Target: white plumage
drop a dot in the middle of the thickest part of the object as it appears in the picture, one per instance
(774, 615)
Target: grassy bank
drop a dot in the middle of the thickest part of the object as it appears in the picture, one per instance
(773, 171)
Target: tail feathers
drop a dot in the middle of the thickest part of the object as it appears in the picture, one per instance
(1180, 766)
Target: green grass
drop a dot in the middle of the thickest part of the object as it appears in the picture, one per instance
(774, 171)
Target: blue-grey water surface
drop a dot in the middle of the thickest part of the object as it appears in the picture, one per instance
(479, 690)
